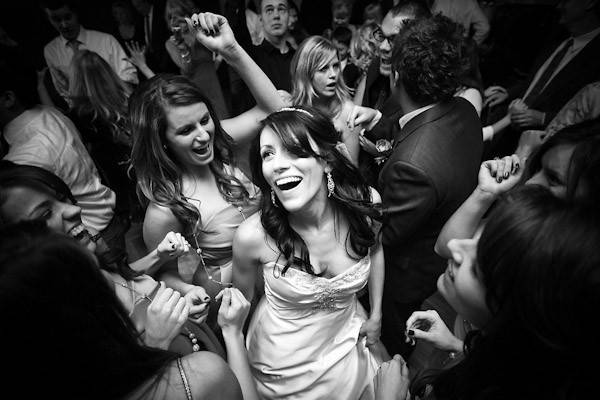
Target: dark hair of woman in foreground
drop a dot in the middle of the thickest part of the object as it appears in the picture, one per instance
(65, 331)
(538, 260)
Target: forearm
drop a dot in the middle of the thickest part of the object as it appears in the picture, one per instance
(146, 71)
(376, 278)
(261, 87)
(150, 263)
(465, 221)
(237, 358)
(173, 280)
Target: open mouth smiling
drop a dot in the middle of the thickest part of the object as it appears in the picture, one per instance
(288, 183)
(80, 233)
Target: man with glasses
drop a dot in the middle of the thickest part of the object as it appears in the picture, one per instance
(377, 89)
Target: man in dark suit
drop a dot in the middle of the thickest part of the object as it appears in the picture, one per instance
(558, 75)
(432, 169)
(156, 33)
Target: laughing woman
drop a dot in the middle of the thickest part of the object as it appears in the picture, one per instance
(316, 243)
(183, 159)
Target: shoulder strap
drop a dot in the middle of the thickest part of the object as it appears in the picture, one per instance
(186, 385)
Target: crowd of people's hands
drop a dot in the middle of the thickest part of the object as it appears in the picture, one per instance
(521, 116)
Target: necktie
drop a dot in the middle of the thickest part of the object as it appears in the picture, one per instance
(147, 30)
(74, 45)
(550, 69)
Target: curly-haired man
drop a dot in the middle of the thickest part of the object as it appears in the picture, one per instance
(432, 169)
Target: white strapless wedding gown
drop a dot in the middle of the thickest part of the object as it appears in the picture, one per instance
(303, 338)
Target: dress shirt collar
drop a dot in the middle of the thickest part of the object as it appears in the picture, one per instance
(81, 38)
(581, 41)
(407, 117)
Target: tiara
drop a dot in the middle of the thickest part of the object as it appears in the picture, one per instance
(296, 109)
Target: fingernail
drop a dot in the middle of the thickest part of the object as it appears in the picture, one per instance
(173, 246)
(206, 299)
(411, 332)
(506, 175)
(517, 166)
(499, 179)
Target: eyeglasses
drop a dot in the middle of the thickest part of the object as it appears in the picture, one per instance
(379, 36)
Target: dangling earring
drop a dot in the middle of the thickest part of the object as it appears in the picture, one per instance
(165, 147)
(273, 200)
(330, 184)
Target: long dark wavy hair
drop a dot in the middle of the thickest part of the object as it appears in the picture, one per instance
(15, 176)
(351, 198)
(47, 279)
(539, 262)
(158, 172)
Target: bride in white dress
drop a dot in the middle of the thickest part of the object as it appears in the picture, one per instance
(316, 244)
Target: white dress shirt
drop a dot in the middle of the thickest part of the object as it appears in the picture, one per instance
(58, 54)
(45, 138)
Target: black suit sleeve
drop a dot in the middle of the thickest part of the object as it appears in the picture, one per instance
(409, 200)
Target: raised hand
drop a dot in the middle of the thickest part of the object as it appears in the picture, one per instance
(198, 304)
(172, 246)
(164, 317)
(428, 326)
(233, 311)
(137, 53)
(499, 176)
(212, 31)
(391, 381)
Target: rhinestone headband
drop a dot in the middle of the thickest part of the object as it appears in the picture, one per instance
(297, 110)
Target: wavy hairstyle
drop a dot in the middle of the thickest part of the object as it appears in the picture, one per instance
(584, 166)
(87, 330)
(159, 174)
(429, 59)
(312, 55)
(539, 262)
(18, 176)
(99, 95)
(363, 42)
(351, 198)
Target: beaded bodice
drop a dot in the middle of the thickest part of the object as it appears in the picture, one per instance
(298, 290)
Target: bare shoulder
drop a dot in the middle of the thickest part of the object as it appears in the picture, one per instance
(250, 233)
(158, 221)
(210, 377)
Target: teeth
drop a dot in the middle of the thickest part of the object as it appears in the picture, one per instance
(77, 230)
(287, 180)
